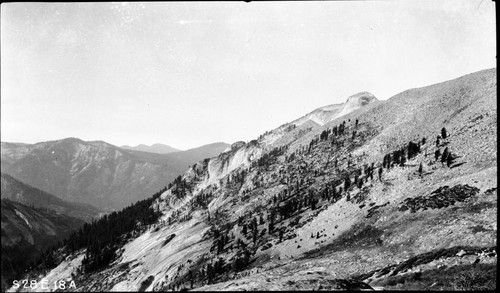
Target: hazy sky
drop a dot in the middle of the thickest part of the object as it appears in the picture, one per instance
(187, 74)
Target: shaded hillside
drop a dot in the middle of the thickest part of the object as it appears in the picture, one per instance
(17, 191)
(26, 233)
(157, 148)
(360, 201)
(97, 173)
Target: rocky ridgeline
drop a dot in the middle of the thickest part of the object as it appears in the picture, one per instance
(439, 198)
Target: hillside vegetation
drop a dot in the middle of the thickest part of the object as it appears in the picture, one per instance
(396, 194)
(27, 232)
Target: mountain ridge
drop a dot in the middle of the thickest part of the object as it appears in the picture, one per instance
(96, 172)
(154, 148)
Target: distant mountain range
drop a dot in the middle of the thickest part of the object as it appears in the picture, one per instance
(157, 148)
(96, 172)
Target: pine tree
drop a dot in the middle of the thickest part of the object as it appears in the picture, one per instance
(360, 183)
(445, 155)
(449, 160)
(347, 183)
(437, 153)
(420, 169)
(254, 223)
(444, 135)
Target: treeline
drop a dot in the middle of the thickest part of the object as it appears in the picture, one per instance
(269, 158)
(179, 187)
(102, 237)
(400, 156)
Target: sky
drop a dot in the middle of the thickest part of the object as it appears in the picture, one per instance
(192, 73)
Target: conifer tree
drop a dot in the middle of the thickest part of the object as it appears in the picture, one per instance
(437, 153)
(445, 155)
(347, 183)
(270, 227)
(254, 223)
(360, 183)
(444, 135)
(449, 160)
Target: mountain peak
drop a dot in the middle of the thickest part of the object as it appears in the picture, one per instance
(331, 112)
(361, 98)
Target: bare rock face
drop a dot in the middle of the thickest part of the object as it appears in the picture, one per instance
(329, 113)
(237, 145)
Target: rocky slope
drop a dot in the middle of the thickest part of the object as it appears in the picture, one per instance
(304, 206)
(27, 232)
(17, 191)
(95, 172)
(325, 114)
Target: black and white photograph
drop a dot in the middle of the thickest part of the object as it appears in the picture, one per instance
(248, 146)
